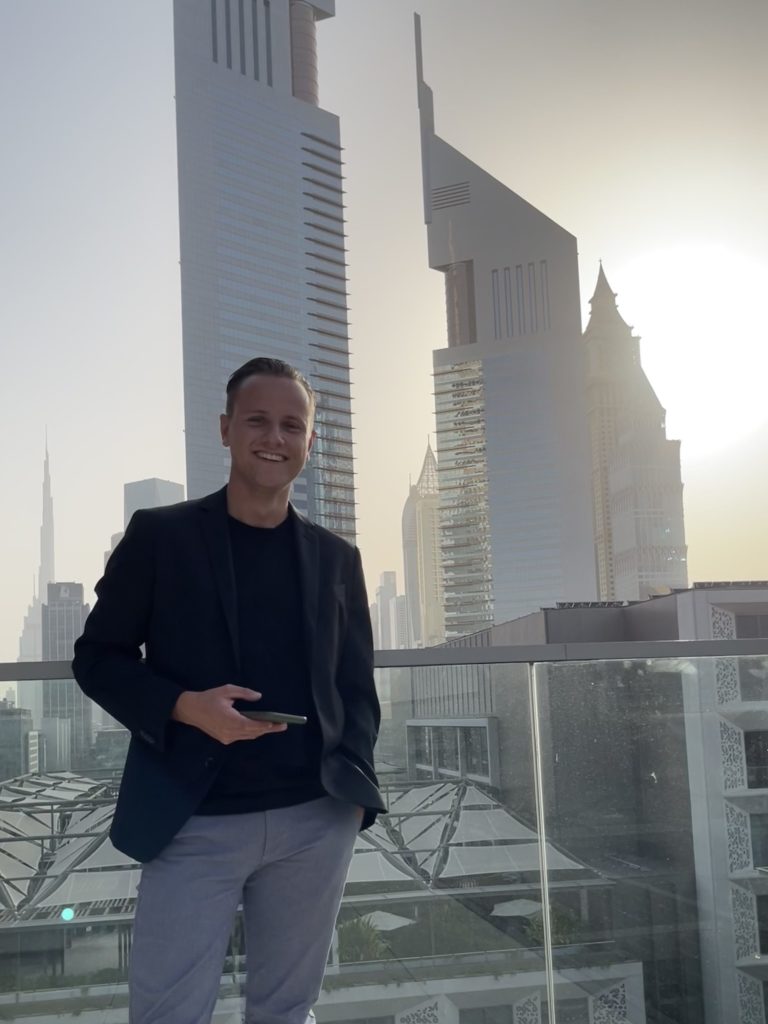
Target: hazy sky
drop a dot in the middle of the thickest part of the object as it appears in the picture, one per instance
(641, 128)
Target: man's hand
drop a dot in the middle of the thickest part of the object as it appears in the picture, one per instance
(211, 711)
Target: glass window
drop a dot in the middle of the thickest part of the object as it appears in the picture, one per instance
(753, 678)
(447, 748)
(475, 740)
(759, 829)
(748, 626)
(756, 750)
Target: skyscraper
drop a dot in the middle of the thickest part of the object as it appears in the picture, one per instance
(637, 487)
(15, 727)
(64, 615)
(150, 493)
(421, 557)
(30, 691)
(512, 434)
(30, 642)
(261, 211)
(385, 593)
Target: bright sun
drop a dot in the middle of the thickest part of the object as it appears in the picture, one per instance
(700, 312)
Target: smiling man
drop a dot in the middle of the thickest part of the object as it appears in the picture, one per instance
(244, 607)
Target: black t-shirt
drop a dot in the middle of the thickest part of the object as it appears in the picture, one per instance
(282, 769)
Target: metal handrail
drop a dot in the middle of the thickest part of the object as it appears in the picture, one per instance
(628, 650)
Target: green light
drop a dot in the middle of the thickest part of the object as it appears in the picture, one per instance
(67, 914)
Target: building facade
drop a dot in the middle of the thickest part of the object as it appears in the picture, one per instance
(261, 214)
(421, 557)
(15, 727)
(30, 691)
(381, 611)
(512, 434)
(151, 493)
(636, 481)
(64, 615)
(679, 823)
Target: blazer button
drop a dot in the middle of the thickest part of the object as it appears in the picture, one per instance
(209, 762)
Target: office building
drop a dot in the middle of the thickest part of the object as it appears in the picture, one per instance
(36, 760)
(637, 486)
(678, 820)
(15, 727)
(30, 691)
(151, 493)
(64, 615)
(261, 215)
(381, 611)
(512, 433)
(398, 623)
(421, 557)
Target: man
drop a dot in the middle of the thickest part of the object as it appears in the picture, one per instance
(242, 605)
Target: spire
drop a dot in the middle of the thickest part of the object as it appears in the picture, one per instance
(47, 572)
(427, 482)
(604, 311)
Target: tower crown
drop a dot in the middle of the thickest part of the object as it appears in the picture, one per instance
(604, 313)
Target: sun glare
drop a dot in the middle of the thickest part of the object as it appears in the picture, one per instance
(699, 310)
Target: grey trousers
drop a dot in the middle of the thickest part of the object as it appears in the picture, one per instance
(288, 866)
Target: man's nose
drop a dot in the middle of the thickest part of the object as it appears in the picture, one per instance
(275, 433)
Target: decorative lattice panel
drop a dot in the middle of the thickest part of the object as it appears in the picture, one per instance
(723, 624)
(751, 1009)
(528, 1010)
(427, 1013)
(610, 1007)
(727, 680)
(732, 754)
(744, 922)
(739, 849)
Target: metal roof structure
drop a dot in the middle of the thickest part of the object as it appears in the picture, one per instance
(438, 837)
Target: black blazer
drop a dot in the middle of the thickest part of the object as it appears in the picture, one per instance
(169, 584)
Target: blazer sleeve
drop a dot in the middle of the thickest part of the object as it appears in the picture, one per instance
(355, 679)
(108, 663)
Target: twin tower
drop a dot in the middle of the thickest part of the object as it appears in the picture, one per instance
(556, 481)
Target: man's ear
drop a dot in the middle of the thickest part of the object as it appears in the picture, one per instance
(312, 437)
(224, 429)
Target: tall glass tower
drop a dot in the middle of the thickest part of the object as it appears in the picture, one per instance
(261, 212)
(638, 488)
(512, 433)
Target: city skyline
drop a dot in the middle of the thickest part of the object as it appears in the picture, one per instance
(97, 225)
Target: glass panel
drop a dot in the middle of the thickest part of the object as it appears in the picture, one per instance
(655, 845)
(649, 776)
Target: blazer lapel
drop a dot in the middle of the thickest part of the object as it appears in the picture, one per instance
(309, 558)
(216, 534)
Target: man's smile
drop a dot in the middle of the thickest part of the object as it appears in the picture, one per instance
(271, 456)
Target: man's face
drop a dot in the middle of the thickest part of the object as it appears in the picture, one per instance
(269, 433)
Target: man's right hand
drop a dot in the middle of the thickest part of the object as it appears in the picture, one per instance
(211, 711)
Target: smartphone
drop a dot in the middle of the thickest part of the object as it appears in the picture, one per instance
(275, 716)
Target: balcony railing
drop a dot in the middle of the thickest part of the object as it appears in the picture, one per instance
(576, 833)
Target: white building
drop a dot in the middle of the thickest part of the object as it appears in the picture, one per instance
(381, 611)
(261, 211)
(421, 557)
(717, 752)
(512, 433)
(637, 486)
(398, 623)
